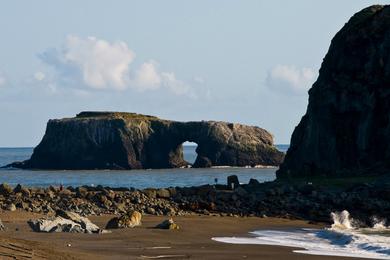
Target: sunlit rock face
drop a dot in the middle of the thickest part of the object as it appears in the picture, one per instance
(114, 140)
(346, 129)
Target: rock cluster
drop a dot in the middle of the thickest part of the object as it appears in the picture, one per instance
(346, 129)
(277, 199)
(113, 140)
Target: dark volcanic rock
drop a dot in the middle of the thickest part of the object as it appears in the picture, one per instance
(233, 182)
(112, 140)
(346, 129)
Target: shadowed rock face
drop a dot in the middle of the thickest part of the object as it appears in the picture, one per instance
(346, 129)
(111, 140)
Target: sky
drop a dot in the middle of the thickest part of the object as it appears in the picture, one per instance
(249, 62)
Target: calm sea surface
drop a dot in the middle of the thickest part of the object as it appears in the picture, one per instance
(135, 178)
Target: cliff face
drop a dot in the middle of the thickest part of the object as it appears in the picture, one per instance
(110, 140)
(346, 129)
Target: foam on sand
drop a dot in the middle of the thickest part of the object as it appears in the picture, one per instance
(341, 239)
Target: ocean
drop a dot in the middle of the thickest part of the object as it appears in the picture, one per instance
(139, 179)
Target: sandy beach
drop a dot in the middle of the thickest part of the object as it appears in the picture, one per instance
(192, 241)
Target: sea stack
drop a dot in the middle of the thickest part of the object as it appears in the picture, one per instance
(346, 129)
(114, 140)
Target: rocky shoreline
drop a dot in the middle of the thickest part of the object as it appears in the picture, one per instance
(301, 200)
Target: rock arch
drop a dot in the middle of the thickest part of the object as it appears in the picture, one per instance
(100, 140)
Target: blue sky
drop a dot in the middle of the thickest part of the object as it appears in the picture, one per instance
(250, 62)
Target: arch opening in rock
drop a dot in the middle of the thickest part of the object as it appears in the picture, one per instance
(184, 154)
(189, 152)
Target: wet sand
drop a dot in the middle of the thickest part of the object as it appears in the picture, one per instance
(192, 241)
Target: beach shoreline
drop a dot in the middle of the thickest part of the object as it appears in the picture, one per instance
(192, 241)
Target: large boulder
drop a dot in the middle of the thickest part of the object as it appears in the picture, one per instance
(55, 224)
(64, 221)
(130, 219)
(346, 129)
(84, 222)
(232, 182)
(113, 140)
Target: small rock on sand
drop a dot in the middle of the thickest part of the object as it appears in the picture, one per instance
(168, 224)
(2, 227)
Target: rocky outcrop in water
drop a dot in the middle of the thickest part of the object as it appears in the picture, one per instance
(346, 129)
(112, 140)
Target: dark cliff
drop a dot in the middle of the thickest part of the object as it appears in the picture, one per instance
(346, 129)
(112, 140)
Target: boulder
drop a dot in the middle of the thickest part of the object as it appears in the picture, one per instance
(2, 227)
(151, 211)
(64, 221)
(232, 182)
(129, 220)
(151, 193)
(253, 182)
(346, 128)
(23, 190)
(56, 224)
(5, 189)
(163, 193)
(84, 222)
(11, 207)
(168, 224)
(115, 140)
(81, 192)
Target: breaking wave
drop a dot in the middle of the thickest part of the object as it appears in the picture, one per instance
(343, 238)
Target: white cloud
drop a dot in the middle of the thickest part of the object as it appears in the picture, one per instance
(290, 79)
(147, 76)
(178, 87)
(99, 64)
(39, 76)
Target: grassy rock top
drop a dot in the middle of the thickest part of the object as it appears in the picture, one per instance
(109, 114)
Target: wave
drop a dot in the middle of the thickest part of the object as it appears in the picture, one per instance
(343, 238)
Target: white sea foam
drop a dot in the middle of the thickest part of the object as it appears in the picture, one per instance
(341, 239)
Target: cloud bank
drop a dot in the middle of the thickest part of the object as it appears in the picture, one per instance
(290, 79)
(99, 64)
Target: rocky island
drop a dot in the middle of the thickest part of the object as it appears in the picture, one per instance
(114, 140)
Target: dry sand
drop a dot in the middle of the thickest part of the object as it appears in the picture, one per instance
(192, 241)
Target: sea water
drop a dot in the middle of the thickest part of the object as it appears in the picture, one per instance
(138, 179)
(343, 238)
